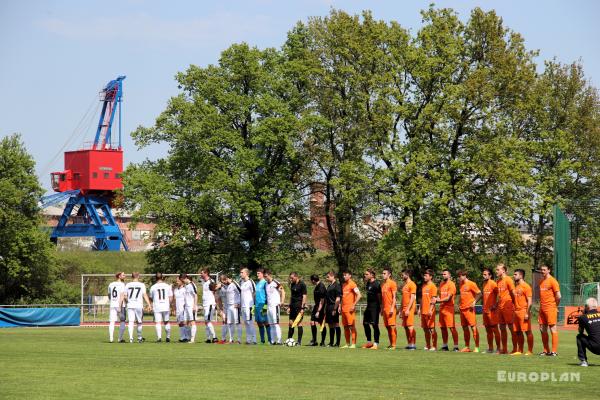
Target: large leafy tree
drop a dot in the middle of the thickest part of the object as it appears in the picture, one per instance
(229, 191)
(562, 127)
(26, 258)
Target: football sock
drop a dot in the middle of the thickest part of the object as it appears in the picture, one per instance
(545, 341)
(193, 332)
(261, 331)
(158, 330)
(376, 333)
(121, 330)
(290, 332)
(139, 331)
(331, 335)
(338, 335)
(445, 336)
(427, 335)
(490, 338)
(476, 336)
(313, 331)
(434, 338)
(168, 330)
(504, 339)
(239, 332)
(467, 335)
(554, 341)
(231, 329)
(496, 336)
(347, 334)
(300, 333)
(530, 341)
(367, 331)
(454, 336)
(111, 330)
(224, 330)
(130, 329)
(211, 330)
(323, 335)
(278, 333)
(268, 334)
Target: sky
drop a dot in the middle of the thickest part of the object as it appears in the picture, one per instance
(55, 56)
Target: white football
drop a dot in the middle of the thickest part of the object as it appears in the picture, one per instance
(290, 342)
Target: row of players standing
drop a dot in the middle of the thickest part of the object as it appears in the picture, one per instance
(504, 305)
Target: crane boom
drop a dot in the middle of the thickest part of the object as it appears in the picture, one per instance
(111, 95)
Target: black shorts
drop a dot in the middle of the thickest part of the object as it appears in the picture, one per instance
(294, 311)
(332, 315)
(371, 316)
(313, 316)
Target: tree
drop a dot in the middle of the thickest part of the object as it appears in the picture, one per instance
(562, 127)
(344, 63)
(26, 259)
(230, 191)
(453, 172)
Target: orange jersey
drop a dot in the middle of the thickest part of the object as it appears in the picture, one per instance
(505, 287)
(408, 290)
(388, 293)
(548, 288)
(428, 291)
(468, 291)
(522, 292)
(348, 295)
(447, 288)
(490, 295)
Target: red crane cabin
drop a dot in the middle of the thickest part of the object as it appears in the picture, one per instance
(90, 170)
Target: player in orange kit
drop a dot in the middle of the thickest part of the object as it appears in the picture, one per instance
(350, 296)
(428, 296)
(388, 305)
(490, 310)
(469, 296)
(447, 293)
(409, 306)
(549, 302)
(506, 307)
(522, 317)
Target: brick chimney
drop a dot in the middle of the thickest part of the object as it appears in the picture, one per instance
(318, 227)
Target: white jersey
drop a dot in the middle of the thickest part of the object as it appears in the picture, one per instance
(233, 293)
(248, 289)
(161, 294)
(190, 293)
(135, 294)
(115, 290)
(273, 296)
(179, 294)
(208, 297)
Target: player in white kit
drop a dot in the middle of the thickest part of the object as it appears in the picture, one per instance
(275, 296)
(226, 336)
(233, 292)
(179, 294)
(248, 289)
(191, 307)
(135, 295)
(117, 306)
(209, 305)
(161, 294)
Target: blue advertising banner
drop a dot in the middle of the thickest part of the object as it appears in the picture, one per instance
(12, 317)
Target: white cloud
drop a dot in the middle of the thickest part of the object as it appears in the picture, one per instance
(147, 29)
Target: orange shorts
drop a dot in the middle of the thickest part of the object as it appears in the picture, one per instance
(467, 317)
(387, 320)
(348, 318)
(505, 315)
(428, 322)
(548, 316)
(410, 320)
(446, 319)
(490, 318)
(519, 323)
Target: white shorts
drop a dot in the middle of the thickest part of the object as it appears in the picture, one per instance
(273, 314)
(209, 312)
(135, 314)
(117, 314)
(246, 313)
(233, 315)
(189, 314)
(160, 316)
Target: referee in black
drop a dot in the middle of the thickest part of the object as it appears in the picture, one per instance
(333, 298)
(318, 312)
(589, 322)
(297, 305)
(371, 315)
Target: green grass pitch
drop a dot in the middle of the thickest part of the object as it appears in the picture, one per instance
(80, 363)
